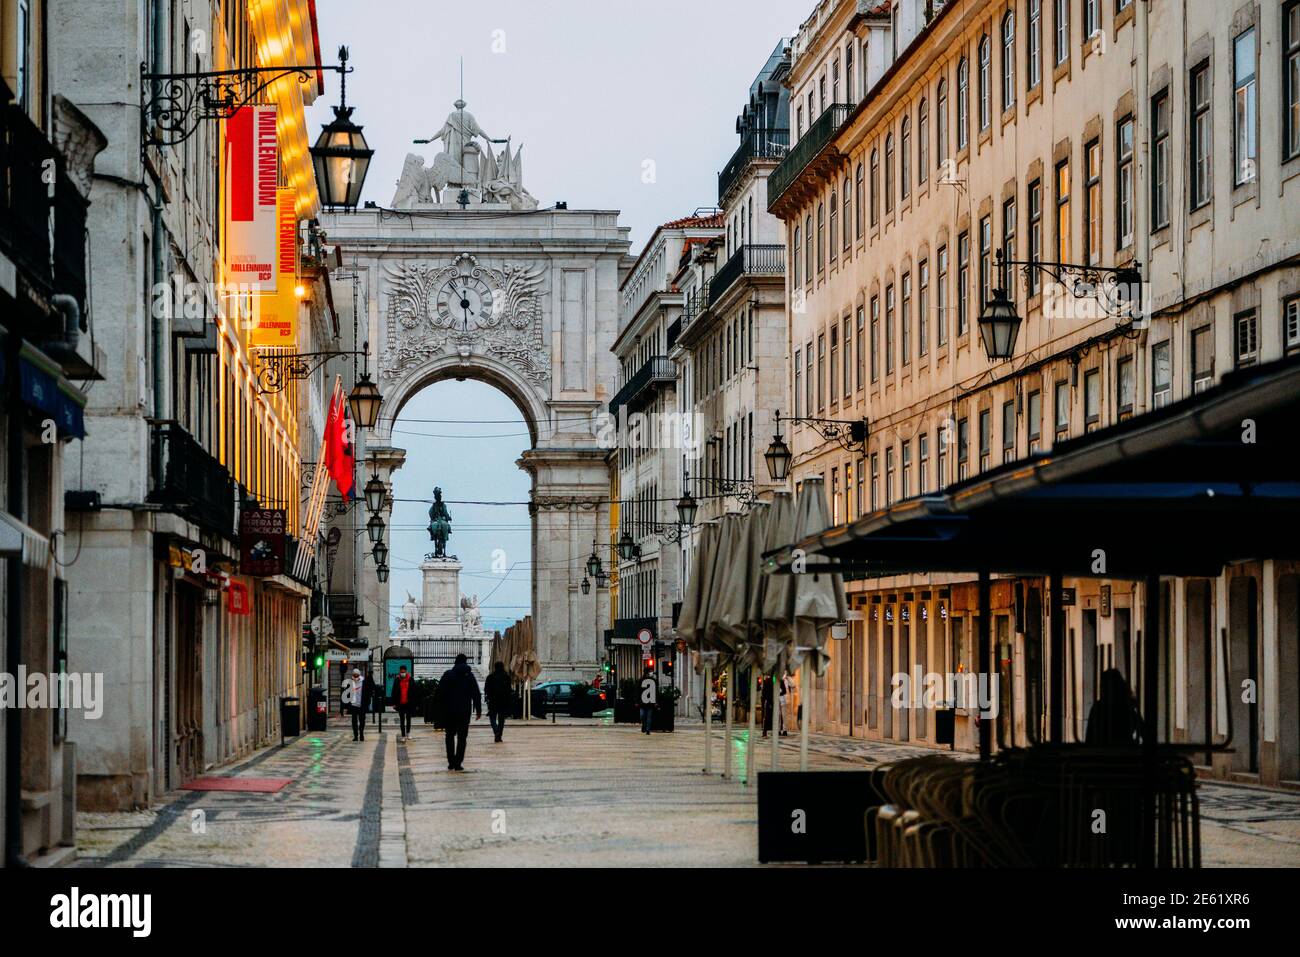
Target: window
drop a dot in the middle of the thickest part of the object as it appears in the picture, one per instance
(835, 495)
(923, 463)
(798, 123)
(1092, 397)
(1124, 183)
(1008, 430)
(835, 362)
(1062, 407)
(860, 348)
(821, 372)
(846, 239)
(889, 476)
(963, 282)
(861, 472)
(794, 256)
(889, 173)
(986, 439)
(857, 199)
(1092, 204)
(1063, 211)
(821, 237)
(23, 79)
(835, 81)
(875, 481)
(923, 141)
(941, 299)
(807, 249)
(906, 491)
(1243, 106)
(1008, 60)
(1291, 80)
(923, 307)
(941, 123)
(889, 329)
(1035, 233)
(963, 103)
(1034, 54)
(1291, 323)
(904, 158)
(1202, 358)
(905, 318)
(985, 81)
(1200, 170)
(875, 187)
(875, 338)
(986, 260)
(848, 73)
(1246, 337)
(1091, 17)
(834, 222)
(1062, 42)
(1008, 239)
(1162, 378)
(942, 437)
(1035, 425)
(808, 379)
(963, 448)
(848, 364)
(1160, 160)
(798, 384)
(1125, 384)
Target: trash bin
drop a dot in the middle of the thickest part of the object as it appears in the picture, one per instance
(317, 705)
(945, 725)
(289, 723)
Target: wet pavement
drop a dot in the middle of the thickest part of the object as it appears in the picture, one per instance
(572, 793)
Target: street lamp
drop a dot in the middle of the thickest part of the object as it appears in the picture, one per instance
(593, 562)
(364, 401)
(585, 586)
(687, 507)
(341, 156)
(375, 492)
(778, 454)
(382, 573)
(380, 553)
(999, 325)
(375, 528)
(626, 546)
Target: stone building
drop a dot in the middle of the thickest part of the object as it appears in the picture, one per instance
(932, 137)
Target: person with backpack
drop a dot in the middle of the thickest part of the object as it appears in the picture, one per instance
(496, 688)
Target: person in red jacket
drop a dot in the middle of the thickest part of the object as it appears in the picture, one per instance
(403, 699)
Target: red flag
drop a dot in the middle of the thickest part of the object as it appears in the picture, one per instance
(340, 459)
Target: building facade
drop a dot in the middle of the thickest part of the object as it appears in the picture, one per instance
(930, 139)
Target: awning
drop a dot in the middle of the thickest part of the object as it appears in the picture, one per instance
(20, 540)
(1183, 490)
(43, 387)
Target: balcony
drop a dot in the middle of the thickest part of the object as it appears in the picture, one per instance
(674, 330)
(805, 152)
(345, 612)
(292, 546)
(749, 260)
(186, 479)
(756, 145)
(695, 305)
(24, 198)
(657, 370)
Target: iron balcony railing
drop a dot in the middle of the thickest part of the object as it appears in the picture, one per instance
(805, 151)
(307, 577)
(657, 369)
(755, 145)
(695, 305)
(674, 330)
(184, 477)
(749, 260)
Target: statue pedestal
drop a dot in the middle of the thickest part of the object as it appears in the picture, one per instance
(440, 597)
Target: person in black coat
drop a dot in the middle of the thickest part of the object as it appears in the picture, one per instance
(496, 688)
(357, 694)
(457, 694)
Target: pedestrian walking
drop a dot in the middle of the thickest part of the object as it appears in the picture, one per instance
(649, 698)
(356, 698)
(403, 699)
(457, 694)
(496, 688)
(771, 710)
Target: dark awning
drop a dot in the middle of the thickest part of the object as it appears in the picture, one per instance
(43, 388)
(1182, 490)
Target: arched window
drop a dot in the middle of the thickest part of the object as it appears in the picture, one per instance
(941, 124)
(821, 236)
(923, 141)
(857, 199)
(986, 71)
(844, 222)
(1008, 60)
(963, 103)
(794, 254)
(835, 206)
(875, 187)
(889, 172)
(807, 249)
(904, 157)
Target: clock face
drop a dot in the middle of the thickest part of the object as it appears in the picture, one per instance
(463, 301)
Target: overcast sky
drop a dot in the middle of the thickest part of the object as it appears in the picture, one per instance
(592, 90)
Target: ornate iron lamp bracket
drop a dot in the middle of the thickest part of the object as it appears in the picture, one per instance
(277, 369)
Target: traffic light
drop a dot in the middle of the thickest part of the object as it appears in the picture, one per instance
(319, 660)
(668, 667)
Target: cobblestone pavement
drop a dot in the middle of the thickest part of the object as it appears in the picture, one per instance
(577, 792)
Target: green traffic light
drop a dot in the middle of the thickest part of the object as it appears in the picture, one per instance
(320, 660)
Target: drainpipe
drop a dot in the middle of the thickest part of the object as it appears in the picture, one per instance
(71, 310)
(159, 325)
(13, 631)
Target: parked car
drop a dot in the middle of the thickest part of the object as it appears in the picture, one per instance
(574, 697)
